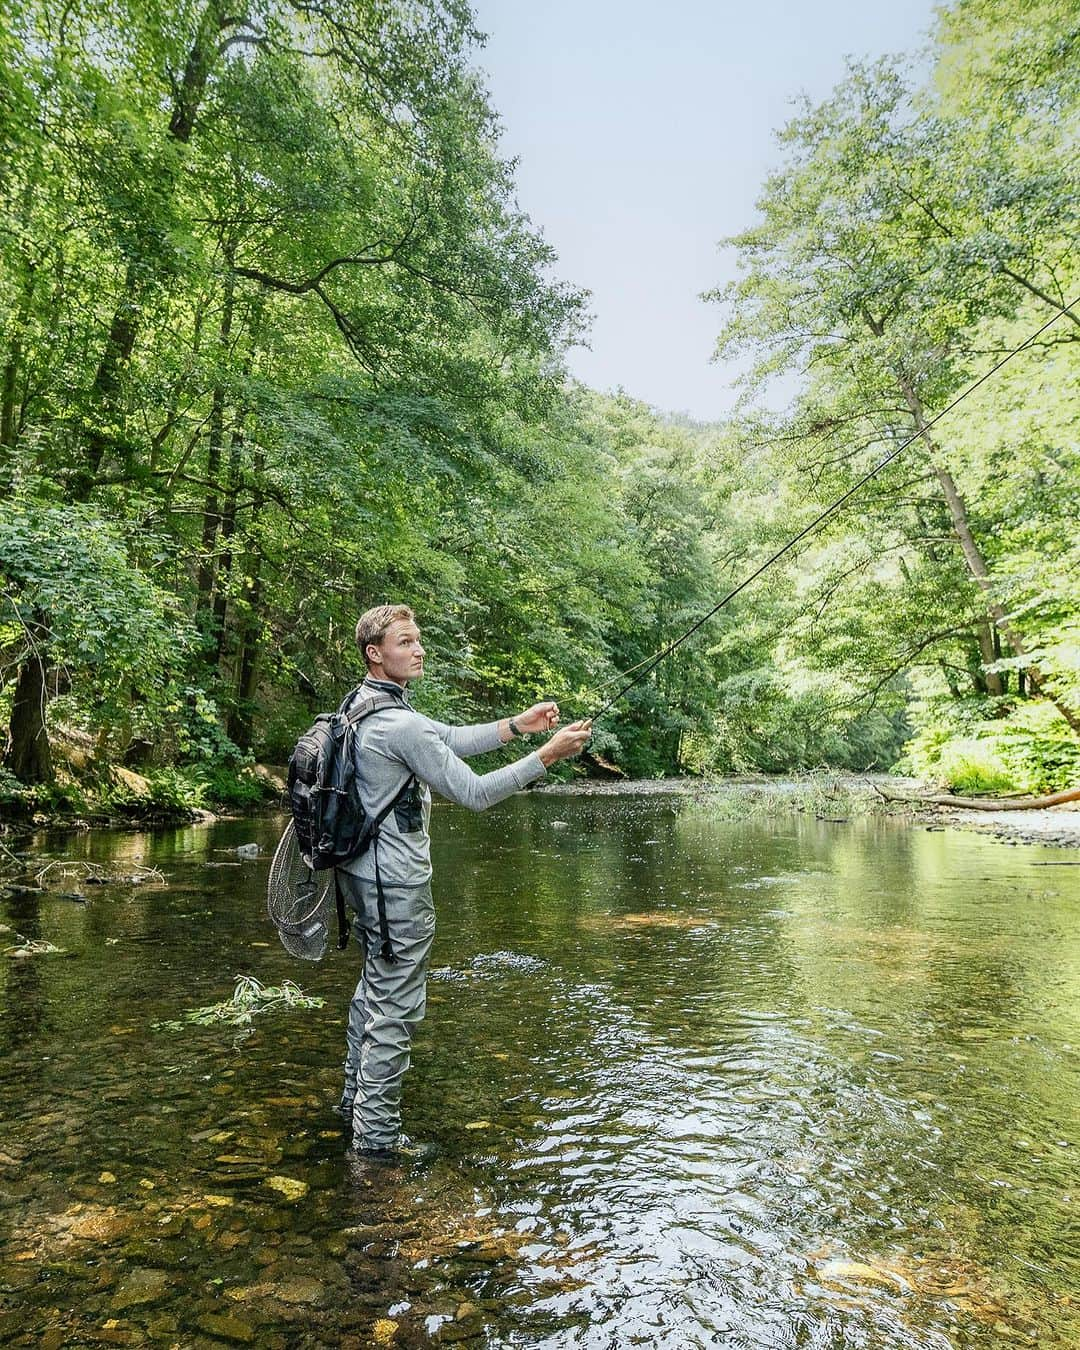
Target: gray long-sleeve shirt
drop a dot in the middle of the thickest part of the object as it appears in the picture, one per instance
(398, 743)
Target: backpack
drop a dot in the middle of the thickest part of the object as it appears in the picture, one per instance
(329, 819)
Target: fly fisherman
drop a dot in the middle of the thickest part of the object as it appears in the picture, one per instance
(400, 756)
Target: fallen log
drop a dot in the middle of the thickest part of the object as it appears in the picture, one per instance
(987, 804)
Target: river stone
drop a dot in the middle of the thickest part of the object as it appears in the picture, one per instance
(143, 1285)
(290, 1188)
(244, 1293)
(300, 1289)
(859, 1272)
(162, 1326)
(227, 1327)
(103, 1226)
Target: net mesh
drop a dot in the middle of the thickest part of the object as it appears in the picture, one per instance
(299, 901)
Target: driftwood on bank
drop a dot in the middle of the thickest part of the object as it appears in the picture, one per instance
(985, 803)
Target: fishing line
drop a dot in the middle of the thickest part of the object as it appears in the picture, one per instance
(650, 663)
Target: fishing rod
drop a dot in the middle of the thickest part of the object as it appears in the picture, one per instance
(650, 663)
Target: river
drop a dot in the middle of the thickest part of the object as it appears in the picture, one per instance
(692, 1082)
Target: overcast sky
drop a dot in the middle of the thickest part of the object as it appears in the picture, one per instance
(643, 133)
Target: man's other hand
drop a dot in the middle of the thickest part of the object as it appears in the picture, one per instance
(568, 741)
(540, 717)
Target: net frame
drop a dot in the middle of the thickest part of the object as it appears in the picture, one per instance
(299, 901)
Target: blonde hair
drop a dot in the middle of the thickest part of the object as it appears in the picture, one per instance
(373, 624)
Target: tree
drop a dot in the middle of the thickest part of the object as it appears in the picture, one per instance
(850, 276)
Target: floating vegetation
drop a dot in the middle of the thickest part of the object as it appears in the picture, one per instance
(829, 797)
(93, 874)
(25, 947)
(249, 999)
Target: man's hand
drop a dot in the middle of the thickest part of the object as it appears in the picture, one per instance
(540, 717)
(568, 741)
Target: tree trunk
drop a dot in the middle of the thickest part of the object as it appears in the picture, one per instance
(212, 511)
(9, 380)
(991, 678)
(106, 390)
(242, 716)
(987, 803)
(950, 680)
(28, 755)
(975, 561)
(225, 536)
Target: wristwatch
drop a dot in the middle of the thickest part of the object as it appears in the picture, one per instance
(515, 730)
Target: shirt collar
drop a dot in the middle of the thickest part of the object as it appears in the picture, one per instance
(386, 687)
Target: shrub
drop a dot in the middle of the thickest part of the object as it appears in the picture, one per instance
(970, 765)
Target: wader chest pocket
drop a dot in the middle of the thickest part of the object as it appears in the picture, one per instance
(409, 810)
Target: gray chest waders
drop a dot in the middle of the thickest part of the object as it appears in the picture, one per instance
(373, 831)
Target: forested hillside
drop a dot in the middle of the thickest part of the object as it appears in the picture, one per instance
(277, 343)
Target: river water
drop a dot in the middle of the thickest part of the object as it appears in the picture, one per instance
(693, 1082)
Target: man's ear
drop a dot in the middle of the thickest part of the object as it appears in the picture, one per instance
(375, 660)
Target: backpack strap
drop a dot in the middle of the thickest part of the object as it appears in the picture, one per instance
(364, 707)
(386, 951)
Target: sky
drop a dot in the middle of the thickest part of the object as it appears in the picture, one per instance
(643, 133)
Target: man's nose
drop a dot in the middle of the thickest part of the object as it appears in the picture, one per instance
(420, 651)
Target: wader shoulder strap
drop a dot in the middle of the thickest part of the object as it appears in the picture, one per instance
(386, 951)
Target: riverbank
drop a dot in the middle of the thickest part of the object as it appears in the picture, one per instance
(839, 797)
(90, 793)
(130, 801)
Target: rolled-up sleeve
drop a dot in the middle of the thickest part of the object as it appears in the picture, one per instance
(431, 759)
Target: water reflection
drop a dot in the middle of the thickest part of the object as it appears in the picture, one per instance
(693, 1082)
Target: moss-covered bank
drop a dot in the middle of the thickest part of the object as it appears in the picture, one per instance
(94, 790)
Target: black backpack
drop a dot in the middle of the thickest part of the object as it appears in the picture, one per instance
(329, 819)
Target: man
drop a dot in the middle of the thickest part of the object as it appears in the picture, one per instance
(402, 755)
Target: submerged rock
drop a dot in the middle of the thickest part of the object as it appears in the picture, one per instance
(227, 1327)
(300, 1289)
(142, 1285)
(289, 1187)
(102, 1225)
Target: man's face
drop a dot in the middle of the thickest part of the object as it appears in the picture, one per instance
(399, 657)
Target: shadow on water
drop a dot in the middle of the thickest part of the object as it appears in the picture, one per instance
(693, 1083)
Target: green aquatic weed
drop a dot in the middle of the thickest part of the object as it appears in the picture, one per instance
(250, 998)
(26, 947)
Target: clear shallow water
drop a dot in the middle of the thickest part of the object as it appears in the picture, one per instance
(694, 1083)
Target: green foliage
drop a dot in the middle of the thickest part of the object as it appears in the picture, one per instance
(14, 796)
(909, 239)
(99, 613)
(972, 766)
(278, 344)
(768, 723)
(1026, 747)
(250, 999)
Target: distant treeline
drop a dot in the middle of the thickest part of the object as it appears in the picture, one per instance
(278, 343)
